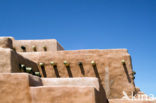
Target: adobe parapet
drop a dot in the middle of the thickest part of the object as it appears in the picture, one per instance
(37, 45)
(44, 45)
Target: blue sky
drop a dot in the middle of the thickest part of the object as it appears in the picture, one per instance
(89, 24)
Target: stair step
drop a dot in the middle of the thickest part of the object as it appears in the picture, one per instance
(85, 81)
(63, 94)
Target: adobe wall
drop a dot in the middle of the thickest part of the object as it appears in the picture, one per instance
(26, 88)
(6, 42)
(113, 75)
(14, 88)
(10, 60)
(39, 45)
(9, 48)
(63, 95)
(70, 82)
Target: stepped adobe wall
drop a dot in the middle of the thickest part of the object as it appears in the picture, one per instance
(113, 75)
(96, 74)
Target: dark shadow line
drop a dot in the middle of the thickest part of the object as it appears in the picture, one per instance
(127, 74)
(56, 71)
(43, 71)
(69, 71)
(96, 71)
(82, 69)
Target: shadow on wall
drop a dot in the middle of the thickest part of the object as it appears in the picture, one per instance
(101, 93)
(43, 71)
(126, 71)
(17, 59)
(81, 68)
(56, 71)
(69, 71)
(68, 68)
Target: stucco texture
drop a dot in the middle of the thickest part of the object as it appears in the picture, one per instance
(14, 88)
(114, 77)
(26, 88)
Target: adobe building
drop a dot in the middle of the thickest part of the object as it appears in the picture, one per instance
(41, 71)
